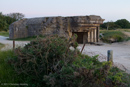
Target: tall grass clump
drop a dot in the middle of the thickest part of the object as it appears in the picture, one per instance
(48, 62)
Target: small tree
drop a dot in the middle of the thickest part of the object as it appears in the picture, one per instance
(110, 25)
(16, 16)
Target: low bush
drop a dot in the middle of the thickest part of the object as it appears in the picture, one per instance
(49, 62)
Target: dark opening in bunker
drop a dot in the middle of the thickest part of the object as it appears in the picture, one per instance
(80, 37)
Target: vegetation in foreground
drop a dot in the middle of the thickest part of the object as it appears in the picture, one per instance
(7, 72)
(49, 62)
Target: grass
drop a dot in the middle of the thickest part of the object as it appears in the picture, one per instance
(3, 33)
(7, 73)
(126, 30)
(116, 35)
(26, 39)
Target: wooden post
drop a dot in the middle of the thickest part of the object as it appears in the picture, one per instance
(83, 47)
(110, 55)
(84, 42)
(13, 44)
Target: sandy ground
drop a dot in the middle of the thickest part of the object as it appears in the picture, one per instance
(121, 51)
(127, 33)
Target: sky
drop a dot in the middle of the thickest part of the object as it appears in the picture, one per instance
(110, 10)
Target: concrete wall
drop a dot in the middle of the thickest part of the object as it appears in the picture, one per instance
(63, 26)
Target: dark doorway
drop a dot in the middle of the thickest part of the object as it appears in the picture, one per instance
(80, 37)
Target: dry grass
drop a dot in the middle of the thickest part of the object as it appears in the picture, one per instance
(122, 30)
(126, 30)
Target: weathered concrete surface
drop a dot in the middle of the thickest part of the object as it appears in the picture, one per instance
(63, 26)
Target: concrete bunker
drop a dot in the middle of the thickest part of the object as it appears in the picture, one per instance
(86, 27)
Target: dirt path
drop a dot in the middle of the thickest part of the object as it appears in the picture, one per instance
(9, 43)
(121, 53)
(127, 33)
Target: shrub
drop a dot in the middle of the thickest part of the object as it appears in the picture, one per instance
(49, 62)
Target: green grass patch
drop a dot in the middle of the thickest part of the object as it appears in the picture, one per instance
(3, 33)
(27, 38)
(7, 72)
(113, 36)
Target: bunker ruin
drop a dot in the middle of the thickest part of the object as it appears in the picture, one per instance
(86, 27)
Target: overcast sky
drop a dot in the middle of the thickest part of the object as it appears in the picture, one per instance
(110, 10)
